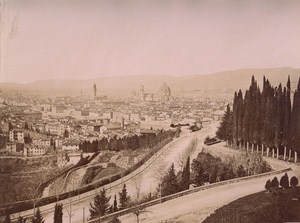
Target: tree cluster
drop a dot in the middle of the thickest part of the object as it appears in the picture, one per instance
(132, 142)
(263, 117)
(101, 205)
(284, 183)
(209, 169)
(173, 183)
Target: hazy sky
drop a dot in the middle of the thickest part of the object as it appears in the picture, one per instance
(81, 39)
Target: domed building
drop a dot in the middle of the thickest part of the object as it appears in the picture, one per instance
(164, 92)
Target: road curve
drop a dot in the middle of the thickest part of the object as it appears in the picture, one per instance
(80, 204)
(197, 206)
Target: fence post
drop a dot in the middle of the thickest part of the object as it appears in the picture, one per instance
(295, 157)
(277, 155)
(268, 151)
(262, 149)
(284, 154)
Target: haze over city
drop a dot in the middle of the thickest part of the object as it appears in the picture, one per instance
(88, 39)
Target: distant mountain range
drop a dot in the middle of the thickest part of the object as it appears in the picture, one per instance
(227, 81)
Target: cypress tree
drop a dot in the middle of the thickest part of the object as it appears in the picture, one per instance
(58, 213)
(265, 110)
(169, 182)
(257, 118)
(235, 119)
(240, 115)
(222, 130)
(287, 115)
(101, 205)
(295, 128)
(186, 175)
(115, 205)
(270, 117)
(279, 116)
(247, 116)
(263, 117)
(229, 127)
(124, 198)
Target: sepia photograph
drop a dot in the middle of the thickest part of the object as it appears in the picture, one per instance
(149, 111)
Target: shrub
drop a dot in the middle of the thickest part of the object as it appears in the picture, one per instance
(284, 181)
(294, 181)
(268, 185)
(274, 184)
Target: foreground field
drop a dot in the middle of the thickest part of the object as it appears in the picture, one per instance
(282, 206)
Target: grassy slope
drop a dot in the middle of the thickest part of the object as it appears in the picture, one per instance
(260, 207)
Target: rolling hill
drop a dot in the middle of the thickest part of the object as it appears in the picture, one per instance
(227, 81)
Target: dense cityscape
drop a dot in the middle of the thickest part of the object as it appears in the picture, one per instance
(149, 111)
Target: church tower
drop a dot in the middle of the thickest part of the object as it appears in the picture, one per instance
(95, 91)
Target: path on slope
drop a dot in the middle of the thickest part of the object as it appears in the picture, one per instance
(149, 182)
(197, 206)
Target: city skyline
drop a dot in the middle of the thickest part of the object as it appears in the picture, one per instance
(77, 40)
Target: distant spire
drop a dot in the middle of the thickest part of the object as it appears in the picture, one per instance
(95, 91)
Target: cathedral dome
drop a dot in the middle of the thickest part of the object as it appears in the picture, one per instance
(165, 92)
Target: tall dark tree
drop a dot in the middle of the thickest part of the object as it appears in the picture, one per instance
(185, 183)
(101, 205)
(240, 116)
(287, 115)
(124, 198)
(235, 119)
(263, 117)
(255, 132)
(225, 127)
(295, 124)
(58, 213)
(115, 205)
(279, 116)
(247, 116)
(169, 182)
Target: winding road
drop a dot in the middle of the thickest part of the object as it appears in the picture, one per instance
(146, 175)
(197, 206)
